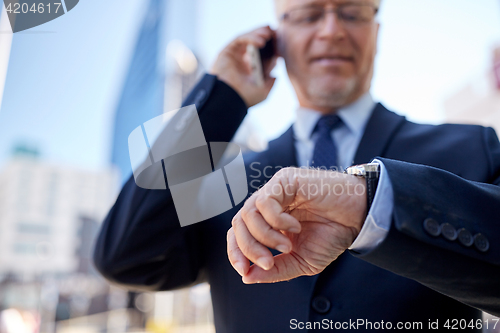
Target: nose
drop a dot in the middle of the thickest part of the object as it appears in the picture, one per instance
(331, 26)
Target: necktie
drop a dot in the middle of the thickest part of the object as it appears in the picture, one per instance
(325, 152)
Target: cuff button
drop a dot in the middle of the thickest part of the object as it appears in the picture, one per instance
(449, 232)
(481, 242)
(465, 237)
(432, 227)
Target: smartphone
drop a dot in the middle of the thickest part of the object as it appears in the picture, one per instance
(258, 59)
(268, 51)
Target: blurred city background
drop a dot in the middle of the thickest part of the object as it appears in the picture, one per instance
(72, 90)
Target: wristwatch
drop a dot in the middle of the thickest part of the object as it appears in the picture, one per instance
(370, 172)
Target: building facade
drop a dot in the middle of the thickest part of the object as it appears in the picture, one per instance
(41, 210)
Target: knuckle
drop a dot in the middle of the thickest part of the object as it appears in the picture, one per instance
(248, 208)
(244, 213)
(229, 234)
(260, 201)
(280, 172)
(234, 223)
(284, 172)
(250, 217)
(247, 203)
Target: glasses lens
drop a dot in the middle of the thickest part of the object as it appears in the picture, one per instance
(306, 15)
(354, 14)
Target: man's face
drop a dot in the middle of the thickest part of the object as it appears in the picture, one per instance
(330, 63)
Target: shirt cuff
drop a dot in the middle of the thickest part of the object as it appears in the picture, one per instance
(379, 217)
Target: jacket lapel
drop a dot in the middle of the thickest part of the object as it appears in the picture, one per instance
(378, 134)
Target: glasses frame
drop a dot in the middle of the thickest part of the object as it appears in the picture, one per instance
(285, 16)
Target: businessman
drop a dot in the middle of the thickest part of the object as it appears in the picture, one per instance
(423, 234)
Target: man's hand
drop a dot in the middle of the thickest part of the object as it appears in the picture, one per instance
(310, 215)
(233, 66)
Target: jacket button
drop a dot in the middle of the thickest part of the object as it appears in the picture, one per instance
(448, 231)
(465, 237)
(432, 227)
(321, 304)
(481, 242)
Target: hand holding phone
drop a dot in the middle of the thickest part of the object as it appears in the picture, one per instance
(245, 65)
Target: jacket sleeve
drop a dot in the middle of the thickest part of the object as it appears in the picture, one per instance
(445, 232)
(141, 243)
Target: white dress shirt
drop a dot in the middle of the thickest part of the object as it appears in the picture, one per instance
(346, 138)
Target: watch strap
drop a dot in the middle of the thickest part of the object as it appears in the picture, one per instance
(370, 172)
(371, 188)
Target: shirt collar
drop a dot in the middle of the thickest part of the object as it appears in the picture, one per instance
(354, 116)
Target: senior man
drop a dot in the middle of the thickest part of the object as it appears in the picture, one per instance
(422, 233)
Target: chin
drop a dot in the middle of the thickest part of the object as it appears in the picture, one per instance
(332, 94)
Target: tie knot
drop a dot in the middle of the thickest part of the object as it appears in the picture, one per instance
(327, 123)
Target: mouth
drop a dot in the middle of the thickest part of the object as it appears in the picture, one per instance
(332, 60)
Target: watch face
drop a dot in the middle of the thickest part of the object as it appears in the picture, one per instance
(364, 170)
(356, 170)
(372, 167)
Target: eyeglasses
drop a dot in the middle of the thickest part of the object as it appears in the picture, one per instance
(350, 14)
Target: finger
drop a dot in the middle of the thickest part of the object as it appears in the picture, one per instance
(249, 246)
(258, 37)
(272, 211)
(265, 32)
(239, 45)
(239, 262)
(263, 232)
(285, 268)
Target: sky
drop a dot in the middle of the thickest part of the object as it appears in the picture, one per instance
(64, 77)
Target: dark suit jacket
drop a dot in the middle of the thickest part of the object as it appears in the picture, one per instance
(404, 279)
